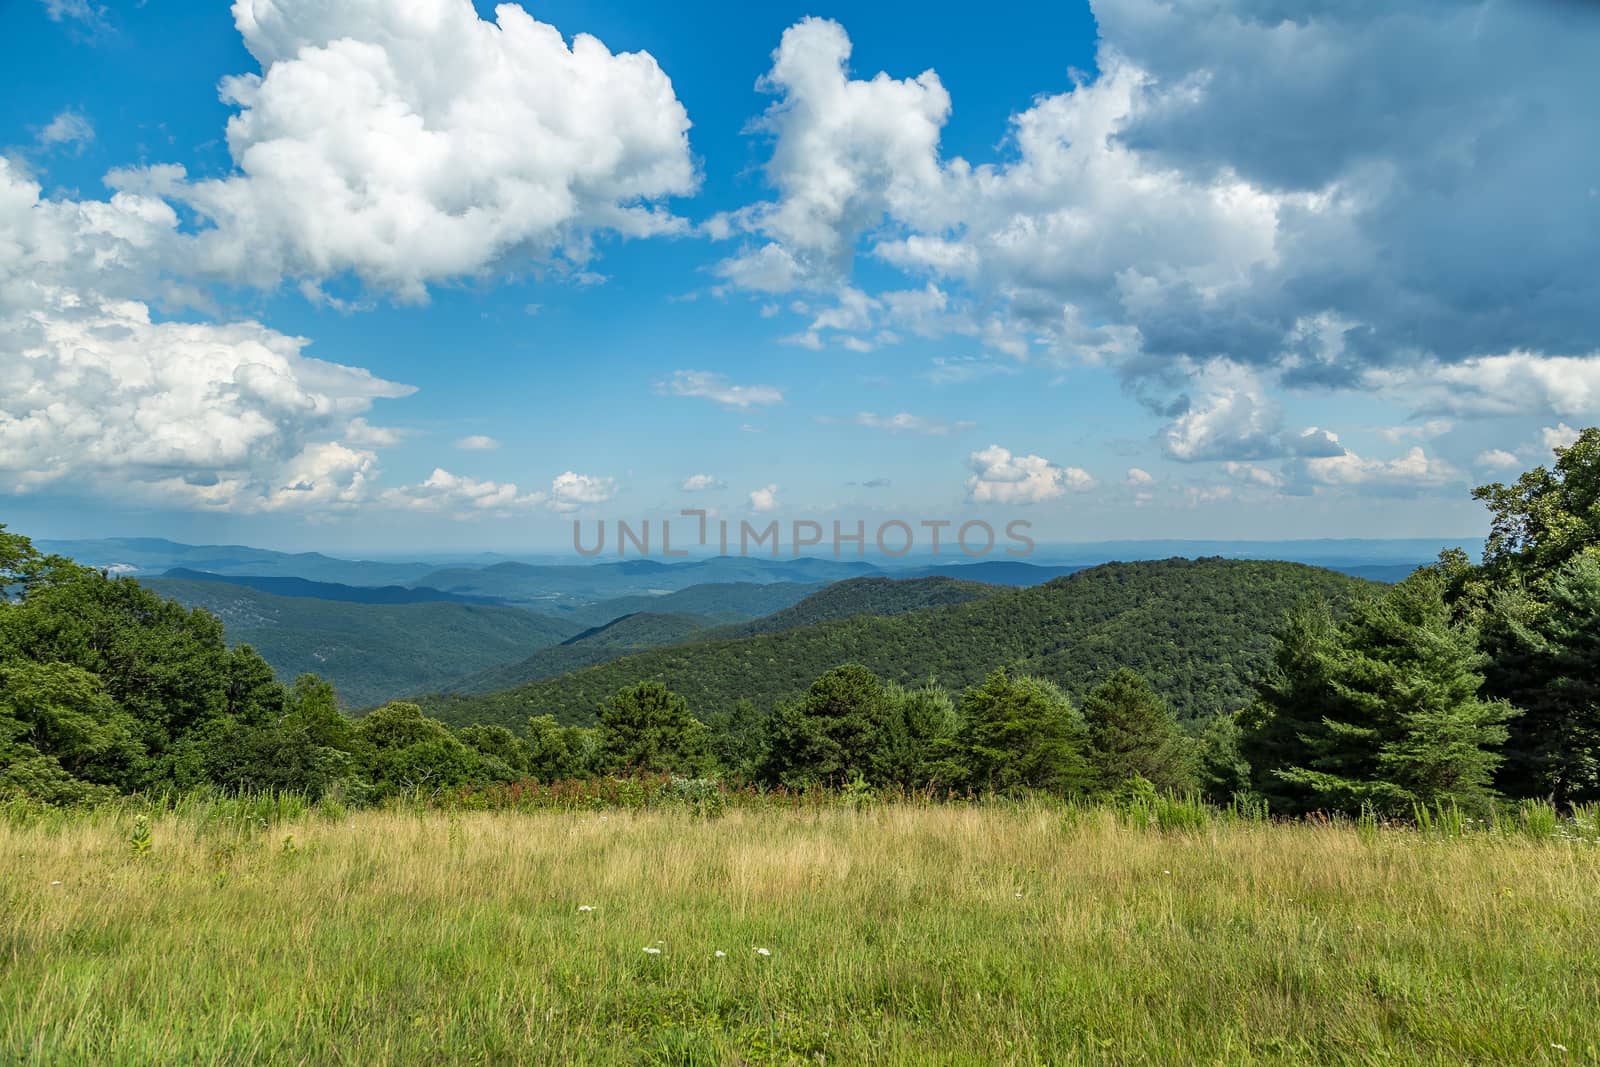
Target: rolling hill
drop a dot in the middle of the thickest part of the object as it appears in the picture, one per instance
(864, 596)
(717, 603)
(1199, 629)
(651, 629)
(354, 594)
(630, 633)
(370, 652)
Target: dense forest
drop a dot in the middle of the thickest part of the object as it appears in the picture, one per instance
(1198, 629)
(654, 628)
(1258, 683)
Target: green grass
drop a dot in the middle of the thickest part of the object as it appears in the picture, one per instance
(268, 932)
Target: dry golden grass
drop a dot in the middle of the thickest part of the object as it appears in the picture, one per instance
(897, 935)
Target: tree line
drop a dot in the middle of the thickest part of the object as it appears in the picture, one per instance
(1466, 681)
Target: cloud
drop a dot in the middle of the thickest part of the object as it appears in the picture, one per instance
(1558, 436)
(1516, 383)
(1139, 477)
(67, 128)
(844, 153)
(1325, 191)
(949, 370)
(717, 387)
(700, 483)
(221, 416)
(478, 443)
(1498, 459)
(412, 143)
(999, 477)
(360, 432)
(1251, 474)
(91, 15)
(908, 423)
(1231, 417)
(764, 499)
(571, 491)
(463, 496)
(1414, 470)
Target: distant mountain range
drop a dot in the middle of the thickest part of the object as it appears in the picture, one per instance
(488, 578)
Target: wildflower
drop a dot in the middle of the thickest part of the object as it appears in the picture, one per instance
(651, 950)
(56, 882)
(763, 952)
(1558, 1048)
(585, 907)
(719, 954)
(1019, 894)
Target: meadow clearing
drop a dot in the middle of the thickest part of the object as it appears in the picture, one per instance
(891, 934)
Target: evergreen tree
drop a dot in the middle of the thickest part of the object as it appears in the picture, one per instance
(1021, 733)
(831, 735)
(1545, 658)
(918, 737)
(647, 727)
(1292, 701)
(1132, 734)
(1406, 725)
(739, 741)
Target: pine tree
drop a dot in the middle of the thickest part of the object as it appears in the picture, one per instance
(1131, 733)
(832, 734)
(647, 727)
(1403, 722)
(1021, 733)
(1292, 701)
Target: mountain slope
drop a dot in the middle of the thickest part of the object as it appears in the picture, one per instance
(653, 629)
(1199, 629)
(717, 603)
(864, 596)
(631, 633)
(279, 585)
(370, 652)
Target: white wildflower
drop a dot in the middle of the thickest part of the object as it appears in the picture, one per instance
(1558, 1048)
(651, 950)
(719, 954)
(763, 952)
(56, 882)
(585, 907)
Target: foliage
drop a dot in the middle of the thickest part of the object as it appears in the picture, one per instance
(647, 727)
(1133, 735)
(1402, 721)
(1020, 734)
(370, 652)
(1194, 628)
(831, 735)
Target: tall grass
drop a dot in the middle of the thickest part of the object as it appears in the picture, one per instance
(263, 931)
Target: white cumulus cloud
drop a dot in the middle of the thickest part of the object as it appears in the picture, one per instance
(999, 477)
(410, 141)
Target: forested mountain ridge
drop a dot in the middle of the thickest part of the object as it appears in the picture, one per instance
(370, 652)
(865, 596)
(1198, 629)
(650, 628)
(619, 637)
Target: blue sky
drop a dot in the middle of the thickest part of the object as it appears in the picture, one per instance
(432, 276)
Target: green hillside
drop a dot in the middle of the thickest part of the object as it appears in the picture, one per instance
(718, 603)
(631, 633)
(370, 652)
(865, 596)
(1198, 629)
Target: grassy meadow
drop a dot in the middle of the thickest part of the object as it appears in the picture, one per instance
(892, 934)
